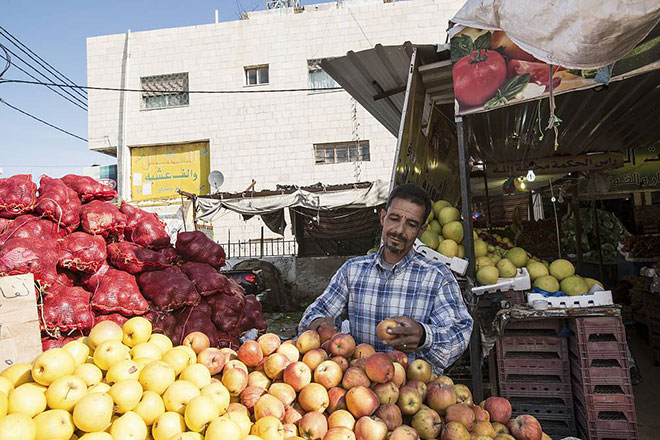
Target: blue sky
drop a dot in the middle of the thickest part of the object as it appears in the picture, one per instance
(56, 31)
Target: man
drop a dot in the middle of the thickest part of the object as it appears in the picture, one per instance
(396, 282)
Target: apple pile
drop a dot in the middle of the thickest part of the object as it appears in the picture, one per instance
(127, 383)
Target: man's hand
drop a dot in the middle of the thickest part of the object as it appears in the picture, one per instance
(318, 322)
(409, 334)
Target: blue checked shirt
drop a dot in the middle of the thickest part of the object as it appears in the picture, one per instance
(367, 292)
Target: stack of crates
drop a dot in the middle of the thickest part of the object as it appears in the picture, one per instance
(604, 402)
(534, 373)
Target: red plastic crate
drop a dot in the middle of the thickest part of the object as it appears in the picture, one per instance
(609, 398)
(589, 329)
(603, 345)
(555, 405)
(524, 343)
(559, 426)
(533, 388)
(605, 425)
(540, 327)
(535, 366)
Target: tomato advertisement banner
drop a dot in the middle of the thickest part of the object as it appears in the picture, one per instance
(490, 71)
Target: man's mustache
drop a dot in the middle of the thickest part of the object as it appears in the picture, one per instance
(397, 236)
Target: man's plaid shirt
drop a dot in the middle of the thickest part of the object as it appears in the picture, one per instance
(366, 292)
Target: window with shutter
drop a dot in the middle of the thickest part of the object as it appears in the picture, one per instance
(163, 91)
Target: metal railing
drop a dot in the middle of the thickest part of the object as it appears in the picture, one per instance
(262, 247)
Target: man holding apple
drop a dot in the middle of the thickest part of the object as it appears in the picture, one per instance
(420, 296)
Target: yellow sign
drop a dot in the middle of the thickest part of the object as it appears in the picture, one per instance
(158, 172)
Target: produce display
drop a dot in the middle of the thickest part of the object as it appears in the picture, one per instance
(93, 261)
(612, 232)
(128, 383)
(641, 246)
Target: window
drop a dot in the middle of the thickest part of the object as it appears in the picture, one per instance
(162, 91)
(341, 152)
(255, 75)
(318, 78)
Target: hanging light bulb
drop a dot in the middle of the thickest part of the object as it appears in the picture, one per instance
(531, 176)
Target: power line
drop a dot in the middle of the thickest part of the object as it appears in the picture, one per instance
(59, 75)
(82, 104)
(42, 121)
(220, 92)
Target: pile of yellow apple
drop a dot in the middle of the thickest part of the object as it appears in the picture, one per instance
(125, 383)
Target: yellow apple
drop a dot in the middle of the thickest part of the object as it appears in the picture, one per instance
(151, 406)
(188, 435)
(178, 358)
(167, 425)
(219, 393)
(17, 427)
(146, 350)
(235, 363)
(18, 374)
(109, 353)
(93, 412)
(130, 426)
(142, 362)
(126, 395)
(135, 331)
(190, 351)
(89, 373)
(268, 428)
(177, 395)
(51, 364)
(104, 331)
(55, 424)
(99, 388)
(197, 374)
(78, 349)
(65, 392)
(157, 376)
(4, 404)
(26, 399)
(223, 429)
(199, 412)
(241, 419)
(290, 351)
(6, 385)
(96, 436)
(161, 341)
(259, 379)
(122, 370)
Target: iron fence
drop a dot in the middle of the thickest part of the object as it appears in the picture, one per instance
(260, 248)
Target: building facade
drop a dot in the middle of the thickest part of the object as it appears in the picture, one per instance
(169, 138)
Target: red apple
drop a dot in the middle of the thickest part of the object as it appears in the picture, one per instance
(326, 346)
(399, 356)
(391, 415)
(292, 414)
(250, 395)
(399, 374)
(427, 423)
(484, 428)
(370, 428)
(326, 332)
(308, 340)
(213, 358)
(313, 426)
(341, 417)
(404, 432)
(388, 393)
(480, 414)
(342, 361)
(339, 433)
(284, 392)
(361, 401)
(275, 365)
(313, 397)
(198, 341)
(342, 344)
(268, 405)
(313, 358)
(463, 394)
(354, 377)
(363, 350)
(499, 409)
(462, 414)
(419, 369)
(269, 343)
(259, 378)
(379, 368)
(337, 399)
(298, 375)
(250, 353)
(328, 374)
(454, 431)
(526, 427)
(409, 400)
(441, 397)
(360, 363)
(420, 386)
(382, 328)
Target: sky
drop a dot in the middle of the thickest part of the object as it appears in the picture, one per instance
(56, 31)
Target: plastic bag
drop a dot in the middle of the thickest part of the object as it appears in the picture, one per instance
(196, 246)
(18, 195)
(89, 188)
(82, 252)
(102, 218)
(59, 203)
(168, 289)
(144, 228)
(134, 258)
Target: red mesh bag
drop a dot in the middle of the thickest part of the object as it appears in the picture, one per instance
(118, 292)
(227, 312)
(102, 218)
(161, 322)
(196, 246)
(92, 282)
(47, 342)
(117, 318)
(24, 255)
(67, 278)
(172, 256)
(4, 224)
(225, 340)
(144, 228)
(194, 319)
(89, 188)
(134, 258)
(18, 195)
(252, 316)
(66, 309)
(59, 203)
(34, 228)
(207, 280)
(82, 252)
(168, 289)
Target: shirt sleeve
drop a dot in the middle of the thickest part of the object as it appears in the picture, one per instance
(332, 303)
(449, 327)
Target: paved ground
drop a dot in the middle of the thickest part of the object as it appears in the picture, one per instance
(647, 393)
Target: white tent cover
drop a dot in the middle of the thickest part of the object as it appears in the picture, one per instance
(577, 34)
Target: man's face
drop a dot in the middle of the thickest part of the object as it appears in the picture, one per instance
(403, 222)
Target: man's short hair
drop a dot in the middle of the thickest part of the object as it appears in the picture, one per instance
(413, 193)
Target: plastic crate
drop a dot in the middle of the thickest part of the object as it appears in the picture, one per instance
(605, 343)
(539, 406)
(536, 366)
(601, 371)
(524, 343)
(513, 297)
(589, 329)
(605, 425)
(538, 327)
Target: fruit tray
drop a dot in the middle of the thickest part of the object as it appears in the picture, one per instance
(599, 298)
(456, 264)
(520, 282)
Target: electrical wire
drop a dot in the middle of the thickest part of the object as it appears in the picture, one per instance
(42, 121)
(7, 61)
(29, 52)
(219, 92)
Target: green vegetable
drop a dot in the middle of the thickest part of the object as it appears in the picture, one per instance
(508, 91)
(460, 46)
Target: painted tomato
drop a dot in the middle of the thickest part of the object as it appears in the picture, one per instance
(478, 76)
(539, 72)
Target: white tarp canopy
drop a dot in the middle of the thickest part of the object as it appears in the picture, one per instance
(578, 34)
(374, 195)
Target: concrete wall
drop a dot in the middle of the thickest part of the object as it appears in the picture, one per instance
(264, 136)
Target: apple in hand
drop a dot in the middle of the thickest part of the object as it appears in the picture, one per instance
(383, 327)
(326, 332)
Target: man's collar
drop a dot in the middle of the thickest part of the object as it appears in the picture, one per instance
(378, 258)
